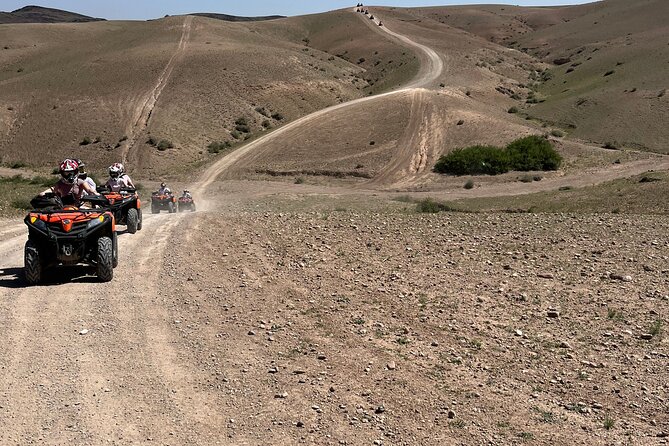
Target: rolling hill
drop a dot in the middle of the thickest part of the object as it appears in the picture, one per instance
(40, 14)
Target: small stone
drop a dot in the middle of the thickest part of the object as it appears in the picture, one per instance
(273, 370)
(391, 365)
(451, 414)
(434, 344)
(251, 333)
(282, 395)
(299, 424)
(380, 410)
(519, 332)
(553, 313)
(546, 276)
(565, 344)
(646, 336)
(83, 332)
(321, 357)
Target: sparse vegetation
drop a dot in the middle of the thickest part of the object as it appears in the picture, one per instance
(86, 141)
(218, 146)
(164, 144)
(299, 180)
(557, 133)
(469, 184)
(656, 328)
(277, 116)
(152, 141)
(609, 423)
(430, 206)
(513, 110)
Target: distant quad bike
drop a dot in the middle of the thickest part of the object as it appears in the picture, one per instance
(65, 235)
(162, 202)
(186, 204)
(380, 23)
(126, 207)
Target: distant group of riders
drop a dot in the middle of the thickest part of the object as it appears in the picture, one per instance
(74, 182)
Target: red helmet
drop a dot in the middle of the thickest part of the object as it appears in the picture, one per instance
(69, 170)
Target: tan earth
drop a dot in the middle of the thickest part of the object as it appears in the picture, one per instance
(330, 312)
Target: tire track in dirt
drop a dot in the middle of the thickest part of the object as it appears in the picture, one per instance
(144, 110)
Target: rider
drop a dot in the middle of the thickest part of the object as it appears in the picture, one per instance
(84, 175)
(186, 194)
(164, 190)
(118, 179)
(70, 185)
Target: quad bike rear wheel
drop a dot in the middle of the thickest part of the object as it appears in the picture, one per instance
(139, 223)
(155, 210)
(170, 207)
(32, 266)
(132, 220)
(180, 207)
(105, 270)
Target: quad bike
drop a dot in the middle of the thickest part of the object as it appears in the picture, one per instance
(161, 202)
(186, 203)
(126, 207)
(67, 235)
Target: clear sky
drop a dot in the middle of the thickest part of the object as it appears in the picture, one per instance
(150, 9)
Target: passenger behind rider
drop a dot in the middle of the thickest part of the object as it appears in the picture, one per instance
(70, 188)
(84, 175)
(118, 179)
(186, 194)
(164, 190)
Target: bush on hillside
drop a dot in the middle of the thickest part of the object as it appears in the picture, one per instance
(164, 145)
(475, 160)
(218, 146)
(529, 153)
(533, 153)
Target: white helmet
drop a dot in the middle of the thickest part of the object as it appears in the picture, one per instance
(115, 171)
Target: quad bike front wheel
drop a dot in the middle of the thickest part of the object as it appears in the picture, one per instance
(32, 266)
(105, 270)
(132, 220)
(170, 207)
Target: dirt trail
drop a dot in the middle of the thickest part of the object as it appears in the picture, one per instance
(145, 108)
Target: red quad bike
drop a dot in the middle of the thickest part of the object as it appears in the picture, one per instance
(162, 202)
(186, 203)
(67, 235)
(126, 207)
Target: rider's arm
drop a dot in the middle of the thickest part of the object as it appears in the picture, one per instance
(129, 182)
(88, 188)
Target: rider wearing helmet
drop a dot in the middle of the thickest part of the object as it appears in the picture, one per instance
(118, 178)
(187, 194)
(84, 175)
(70, 186)
(164, 190)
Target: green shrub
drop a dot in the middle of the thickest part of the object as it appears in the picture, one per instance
(430, 206)
(277, 116)
(266, 124)
(299, 180)
(86, 141)
(18, 165)
(242, 121)
(152, 141)
(533, 153)
(218, 146)
(235, 134)
(486, 160)
(164, 145)
(469, 184)
(243, 128)
(529, 153)
(22, 204)
(513, 110)
(557, 133)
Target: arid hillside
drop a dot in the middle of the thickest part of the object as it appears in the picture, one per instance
(606, 75)
(101, 90)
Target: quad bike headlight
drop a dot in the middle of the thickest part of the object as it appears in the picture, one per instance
(37, 223)
(96, 221)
